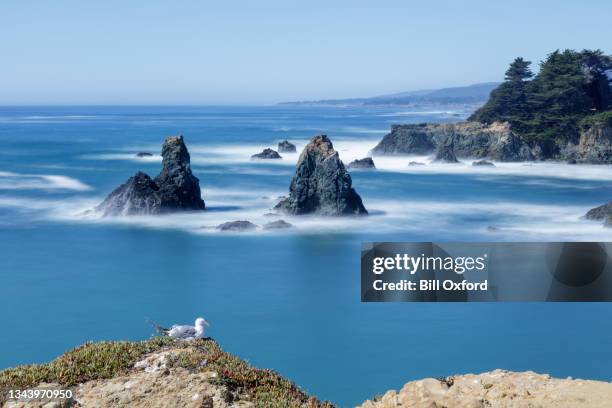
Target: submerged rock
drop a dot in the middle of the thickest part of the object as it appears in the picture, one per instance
(144, 154)
(267, 154)
(321, 184)
(483, 163)
(279, 224)
(496, 141)
(365, 163)
(445, 152)
(237, 226)
(601, 213)
(174, 189)
(416, 163)
(286, 147)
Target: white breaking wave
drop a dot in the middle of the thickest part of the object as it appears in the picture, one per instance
(16, 181)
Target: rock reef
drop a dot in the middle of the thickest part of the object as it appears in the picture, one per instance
(267, 154)
(286, 147)
(174, 189)
(470, 140)
(365, 163)
(321, 184)
(497, 388)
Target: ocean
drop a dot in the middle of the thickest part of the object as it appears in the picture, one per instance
(286, 300)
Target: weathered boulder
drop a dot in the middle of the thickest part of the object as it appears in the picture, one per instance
(321, 184)
(496, 141)
(445, 153)
(144, 154)
(485, 163)
(174, 189)
(267, 154)
(237, 226)
(365, 163)
(278, 224)
(601, 213)
(595, 145)
(286, 147)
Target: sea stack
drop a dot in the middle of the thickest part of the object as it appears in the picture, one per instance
(174, 189)
(321, 184)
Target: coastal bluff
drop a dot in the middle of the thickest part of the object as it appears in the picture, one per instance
(469, 140)
(160, 372)
(165, 372)
(497, 389)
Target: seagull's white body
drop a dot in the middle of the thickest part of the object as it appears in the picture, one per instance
(186, 332)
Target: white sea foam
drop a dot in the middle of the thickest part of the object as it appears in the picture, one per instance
(16, 181)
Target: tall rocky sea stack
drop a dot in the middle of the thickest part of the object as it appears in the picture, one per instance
(321, 184)
(174, 189)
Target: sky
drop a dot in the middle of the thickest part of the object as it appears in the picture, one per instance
(268, 51)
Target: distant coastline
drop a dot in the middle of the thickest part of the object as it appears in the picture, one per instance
(474, 95)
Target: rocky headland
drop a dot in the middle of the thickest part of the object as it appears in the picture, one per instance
(321, 184)
(174, 189)
(497, 389)
(469, 140)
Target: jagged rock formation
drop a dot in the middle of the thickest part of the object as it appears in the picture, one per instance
(267, 154)
(445, 152)
(237, 226)
(471, 140)
(286, 147)
(321, 184)
(365, 163)
(497, 388)
(174, 189)
(595, 145)
(485, 163)
(601, 213)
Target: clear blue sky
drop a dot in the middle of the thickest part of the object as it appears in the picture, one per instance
(264, 51)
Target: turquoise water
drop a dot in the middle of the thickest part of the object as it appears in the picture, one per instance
(286, 300)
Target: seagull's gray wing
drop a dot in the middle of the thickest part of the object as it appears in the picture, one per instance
(182, 331)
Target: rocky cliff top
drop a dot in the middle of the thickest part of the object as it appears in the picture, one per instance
(160, 372)
(497, 389)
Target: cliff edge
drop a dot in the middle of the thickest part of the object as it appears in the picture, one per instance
(497, 389)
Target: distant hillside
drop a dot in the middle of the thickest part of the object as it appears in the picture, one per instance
(477, 93)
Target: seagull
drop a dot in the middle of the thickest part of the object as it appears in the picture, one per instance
(184, 332)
